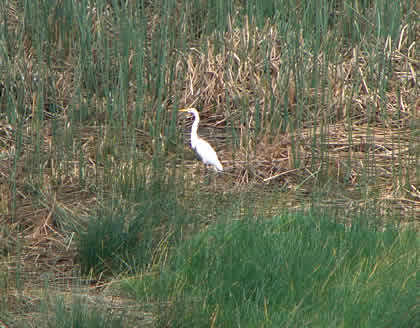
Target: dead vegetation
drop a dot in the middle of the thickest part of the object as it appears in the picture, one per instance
(352, 126)
(290, 134)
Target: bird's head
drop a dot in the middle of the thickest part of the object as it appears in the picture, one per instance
(190, 110)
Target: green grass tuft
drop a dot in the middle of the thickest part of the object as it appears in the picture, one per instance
(116, 240)
(79, 315)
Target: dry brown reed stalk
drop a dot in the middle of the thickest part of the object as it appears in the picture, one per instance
(235, 71)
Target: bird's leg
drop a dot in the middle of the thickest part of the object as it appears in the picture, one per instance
(206, 174)
(214, 178)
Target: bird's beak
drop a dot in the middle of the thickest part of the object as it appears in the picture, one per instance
(183, 110)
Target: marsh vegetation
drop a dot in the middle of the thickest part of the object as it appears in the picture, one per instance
(107, 218)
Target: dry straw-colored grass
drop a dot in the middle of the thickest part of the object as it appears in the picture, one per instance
(249, 71)
(384, 143)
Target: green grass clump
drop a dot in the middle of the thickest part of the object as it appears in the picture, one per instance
(290, 271)
(118, 242)
(79, 315)
(107, 244)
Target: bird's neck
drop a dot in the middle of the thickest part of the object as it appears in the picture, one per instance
(194, 131)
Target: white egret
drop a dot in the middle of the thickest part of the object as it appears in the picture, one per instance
(201, 146)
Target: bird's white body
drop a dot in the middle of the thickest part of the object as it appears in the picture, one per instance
(201, 146)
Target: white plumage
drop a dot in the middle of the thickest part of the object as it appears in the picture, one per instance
(201, 146)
